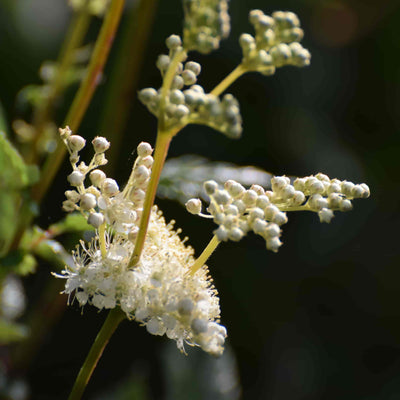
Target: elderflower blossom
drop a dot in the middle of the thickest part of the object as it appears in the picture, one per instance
(160, 292)
(238, 211)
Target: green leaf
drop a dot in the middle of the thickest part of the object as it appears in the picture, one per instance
(74, 222)
(8, 216)
(53, 252)
(13, 170)
(11, 332)
(183, 177)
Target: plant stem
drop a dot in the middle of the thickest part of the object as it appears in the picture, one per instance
(204, 256)
(160, 154)
(164, 137)
(102, 240)
(115, 316)
(228, 80)
(73, 40)
(84, 94)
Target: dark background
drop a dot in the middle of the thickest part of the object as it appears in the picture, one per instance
(318, 320)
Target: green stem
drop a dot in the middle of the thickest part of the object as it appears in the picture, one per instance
(205, 255)
(73, 40)
(84, 94)
(102, 240)
(115, 316)
(160, 154)
(228, 80)
(164, 137)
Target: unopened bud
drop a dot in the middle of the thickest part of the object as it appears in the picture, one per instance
(100, 144)
(194, 206)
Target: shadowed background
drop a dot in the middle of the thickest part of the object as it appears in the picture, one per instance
(318, 320)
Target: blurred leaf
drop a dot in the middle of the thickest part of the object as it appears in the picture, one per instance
(183, 177)
(17, 262)
(74, 222)
(3, 121)
(11, 332)
(8, 215)
(53, 252)
(14, 173)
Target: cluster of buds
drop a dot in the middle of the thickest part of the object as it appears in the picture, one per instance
(276, 42)
(206, 23)
(238, 211)
(191, 104)
(95, 7)
(102, 201)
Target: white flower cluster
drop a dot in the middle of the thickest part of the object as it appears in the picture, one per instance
(275, 44)
(192, 105)
(102, 201)
(238, 211)
(159, 292)
(206, 23)
(95, 7)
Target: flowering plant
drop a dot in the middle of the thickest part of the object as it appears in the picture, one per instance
(136, 264)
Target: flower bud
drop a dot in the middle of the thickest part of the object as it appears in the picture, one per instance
(100, 144)
(249, 197)
(88, 201)
(199, 326)
(189, 77)
(173, 42)
(194, 67)
(181, 111)
(147, 161)
(144, 149)
(96, 219)
(210, 187)
(222, 197)
(141, 174)
(162, 62)
(76, 178)
(147, 95)
(68, 206)
(221, 233)
(76, 142)
(97, 177)
(345, 205)
(325, 215)
(273, 244)
(110, 187)
(177, 97)
(72, 195)
(194, 206)
(235, 234)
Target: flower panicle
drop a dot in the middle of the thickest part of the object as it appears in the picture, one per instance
(159, 292)
(276, 42)
(237, 210)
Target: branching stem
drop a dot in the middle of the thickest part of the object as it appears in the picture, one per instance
(205, 255)
(228, 80)
(164, 137)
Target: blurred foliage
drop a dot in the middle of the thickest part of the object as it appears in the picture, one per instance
(11, 332)
(182, 178)
(15, 175)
